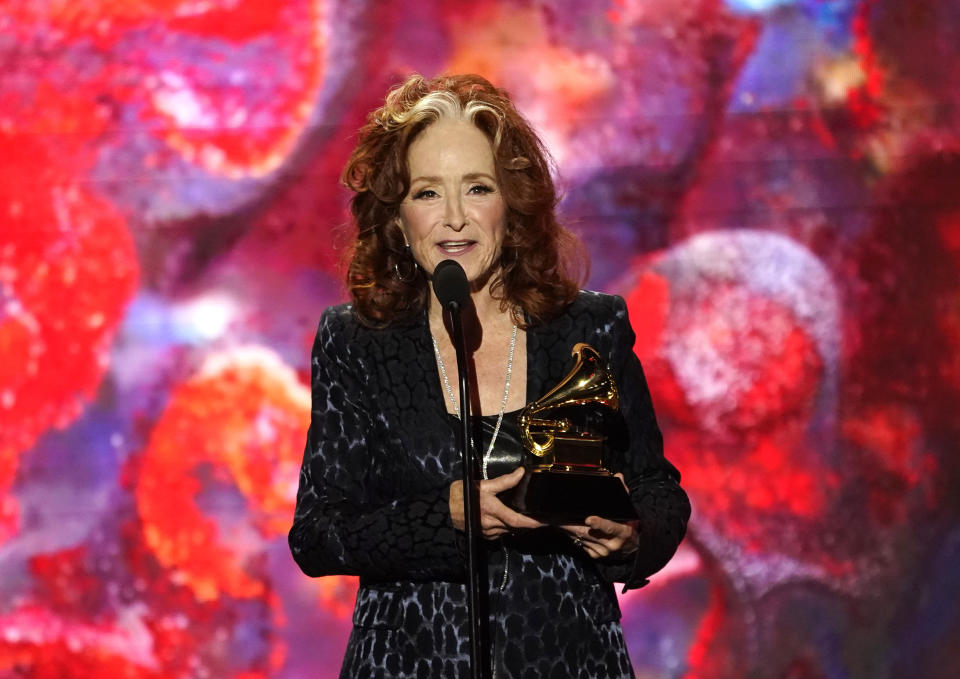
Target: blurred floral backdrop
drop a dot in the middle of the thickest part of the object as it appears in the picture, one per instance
(774, 186)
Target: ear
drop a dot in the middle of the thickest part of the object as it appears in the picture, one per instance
(399, 222)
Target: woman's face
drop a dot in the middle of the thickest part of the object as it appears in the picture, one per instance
(454, 209)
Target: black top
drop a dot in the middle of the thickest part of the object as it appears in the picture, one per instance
(373, 501)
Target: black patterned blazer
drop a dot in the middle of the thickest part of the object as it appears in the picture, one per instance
(373, 498)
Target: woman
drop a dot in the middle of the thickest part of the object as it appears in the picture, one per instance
(448, 169)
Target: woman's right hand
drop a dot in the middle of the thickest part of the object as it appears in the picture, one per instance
(496, 518)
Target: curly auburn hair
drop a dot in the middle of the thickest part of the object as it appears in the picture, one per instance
(542, 264)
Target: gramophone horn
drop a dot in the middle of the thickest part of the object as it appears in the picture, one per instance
(589, 384)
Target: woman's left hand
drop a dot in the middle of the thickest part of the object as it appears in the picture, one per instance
(601, 537)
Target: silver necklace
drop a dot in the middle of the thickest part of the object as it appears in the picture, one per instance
(506, 391)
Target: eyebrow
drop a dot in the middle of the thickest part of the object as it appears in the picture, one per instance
(468, 177)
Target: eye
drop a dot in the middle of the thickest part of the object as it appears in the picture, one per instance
(481, 189)
(424, 193)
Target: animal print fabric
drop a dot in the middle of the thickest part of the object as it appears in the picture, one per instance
(380, 456)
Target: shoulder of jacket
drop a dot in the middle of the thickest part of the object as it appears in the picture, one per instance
(339, 313)
(339, 321)
(597, 302)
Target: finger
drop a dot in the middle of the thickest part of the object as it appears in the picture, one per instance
(597, 543)
(606, 546)
(574, 530)
(491, 506)
(456, 505)
(598, 530)
(595, 551)
(605, 528)
(593, 548)
(623, 481)
(490, 522)
(495, 533)
(581, 535)
(517, 520)
(616, 537)
(501, 483)
(574, 535)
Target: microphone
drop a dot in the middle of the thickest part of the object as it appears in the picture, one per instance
(453, 292)
(450, 284)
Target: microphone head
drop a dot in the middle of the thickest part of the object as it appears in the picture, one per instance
(450, 283)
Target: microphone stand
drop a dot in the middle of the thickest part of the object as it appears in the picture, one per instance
(479, 652)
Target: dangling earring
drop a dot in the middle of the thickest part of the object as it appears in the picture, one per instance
(405, 270)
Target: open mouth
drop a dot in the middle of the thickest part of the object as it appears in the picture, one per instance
(454, 247)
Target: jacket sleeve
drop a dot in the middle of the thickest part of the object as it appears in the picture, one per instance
(341, 525)
(654, 483)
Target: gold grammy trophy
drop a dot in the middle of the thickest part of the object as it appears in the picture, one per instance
(565, 433)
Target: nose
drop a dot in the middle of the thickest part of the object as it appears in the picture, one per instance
(454, 215)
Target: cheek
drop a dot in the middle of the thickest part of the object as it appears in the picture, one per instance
(411, 223)
(495, 217)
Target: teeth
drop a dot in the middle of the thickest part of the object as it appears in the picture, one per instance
(455, 244)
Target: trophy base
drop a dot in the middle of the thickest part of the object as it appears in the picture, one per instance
(562, 497)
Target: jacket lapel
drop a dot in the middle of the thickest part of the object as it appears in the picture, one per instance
(548, 355)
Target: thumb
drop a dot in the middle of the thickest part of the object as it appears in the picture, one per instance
(499, 483)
